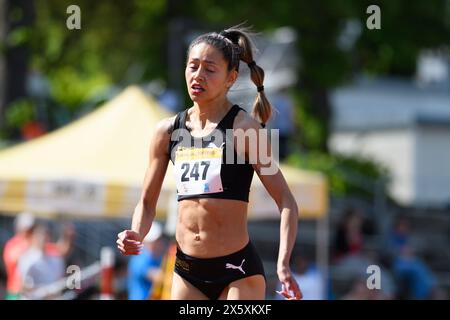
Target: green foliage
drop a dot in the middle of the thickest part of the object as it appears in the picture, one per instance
(113, 37)
(346, 175)
(311, 132)
(406, 28)
(72, 89)
(119, 43)
(19, 113)
(116, 35)
(18, 36)
(122, 42)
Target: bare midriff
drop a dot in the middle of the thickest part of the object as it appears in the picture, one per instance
(209, 227)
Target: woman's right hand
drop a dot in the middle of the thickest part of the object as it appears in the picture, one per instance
(129, 243)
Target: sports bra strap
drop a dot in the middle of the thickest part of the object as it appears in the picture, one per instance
(228, 120)
(176, 125)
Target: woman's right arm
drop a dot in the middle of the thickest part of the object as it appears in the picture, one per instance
(130, 241)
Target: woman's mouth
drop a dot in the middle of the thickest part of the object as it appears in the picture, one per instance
(197, 89)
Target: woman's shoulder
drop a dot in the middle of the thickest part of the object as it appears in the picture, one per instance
(165, 125)
(245, 121)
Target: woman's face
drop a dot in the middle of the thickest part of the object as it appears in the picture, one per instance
(207, 75)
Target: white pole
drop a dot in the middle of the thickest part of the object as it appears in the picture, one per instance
(107, 259)
(322, 251)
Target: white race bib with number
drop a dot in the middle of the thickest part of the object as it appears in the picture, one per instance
(197, 170)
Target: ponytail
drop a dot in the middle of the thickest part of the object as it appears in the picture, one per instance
(239, 36)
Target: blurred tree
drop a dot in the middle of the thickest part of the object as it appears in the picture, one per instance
(19, 16)
(406, 28)
(345, 174)
(334, 45)
(122, 42)
(119, 43)
(3, 15)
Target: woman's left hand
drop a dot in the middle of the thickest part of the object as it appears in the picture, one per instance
(289, 287)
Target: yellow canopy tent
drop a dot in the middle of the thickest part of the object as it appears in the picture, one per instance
(95, 166)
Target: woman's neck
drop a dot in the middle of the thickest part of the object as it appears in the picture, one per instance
(210, 111)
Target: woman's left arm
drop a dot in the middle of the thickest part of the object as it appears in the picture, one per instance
(275, 183)
(278, 189)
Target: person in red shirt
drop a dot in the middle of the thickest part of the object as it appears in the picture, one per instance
(349, 235)
(20, 243)
(14, 248)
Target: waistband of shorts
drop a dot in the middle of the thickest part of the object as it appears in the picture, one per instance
(180, 254)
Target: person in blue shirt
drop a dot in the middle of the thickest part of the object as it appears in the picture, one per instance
(416, 280)
(145, 268)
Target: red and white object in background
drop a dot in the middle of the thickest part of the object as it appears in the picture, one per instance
(107, 259)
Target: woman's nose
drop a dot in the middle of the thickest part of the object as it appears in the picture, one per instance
(199, 74)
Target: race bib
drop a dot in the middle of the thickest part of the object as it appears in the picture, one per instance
(197, 170)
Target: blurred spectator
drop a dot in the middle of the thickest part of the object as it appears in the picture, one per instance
(64, 244)
(20, 243)
(145, 269)
(400, 236)
(120, 279)
(415, 279)
(39, 267)
(349, 234)
(14, 248)
(282, 119)
(360, 291)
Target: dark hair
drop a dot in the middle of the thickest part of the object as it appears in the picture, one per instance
(235, 44)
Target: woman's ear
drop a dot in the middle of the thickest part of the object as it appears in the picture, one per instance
(232, 76)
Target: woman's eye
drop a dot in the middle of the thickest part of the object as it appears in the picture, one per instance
(196, 67)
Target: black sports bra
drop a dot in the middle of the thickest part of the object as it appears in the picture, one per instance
(201, 167)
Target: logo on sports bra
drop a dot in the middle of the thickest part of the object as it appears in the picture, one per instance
(213, 146)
